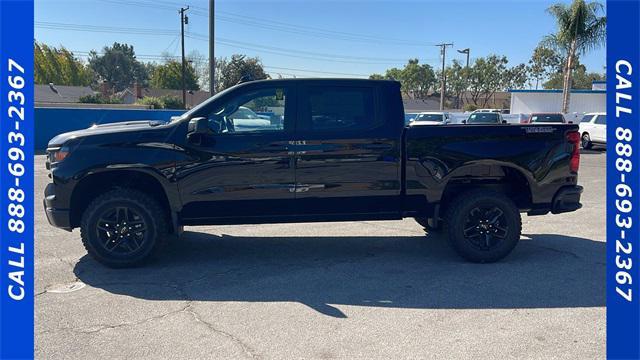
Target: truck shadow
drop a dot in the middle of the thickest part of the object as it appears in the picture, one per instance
(545, 271)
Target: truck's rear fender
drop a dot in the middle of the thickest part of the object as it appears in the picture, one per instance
(529, 165)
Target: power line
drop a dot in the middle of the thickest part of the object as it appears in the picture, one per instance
(245, 20)
(161, 57)
(224, 41)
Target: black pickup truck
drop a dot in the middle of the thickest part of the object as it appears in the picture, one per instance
(303, 150)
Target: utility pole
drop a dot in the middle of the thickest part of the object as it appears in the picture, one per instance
(466, 78)
(212, 57)
(443, 86)
(183, 21)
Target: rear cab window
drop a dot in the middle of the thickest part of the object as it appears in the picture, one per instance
(339, 108)
(547, 118)
(430, 117)
(484, 118)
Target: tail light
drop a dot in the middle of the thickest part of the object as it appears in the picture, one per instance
(573, 137)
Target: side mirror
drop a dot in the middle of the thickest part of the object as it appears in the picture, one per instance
(464, 121)
(197, 129)
(570, 122)
(199, 125)
(504, 121)
(412, 119)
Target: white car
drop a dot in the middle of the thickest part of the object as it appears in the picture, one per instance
(431, 118)
(245, 119)
(593, 129)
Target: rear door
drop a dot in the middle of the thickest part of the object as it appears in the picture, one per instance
(347, 155)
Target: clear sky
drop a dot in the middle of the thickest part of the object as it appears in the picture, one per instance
(318, 38)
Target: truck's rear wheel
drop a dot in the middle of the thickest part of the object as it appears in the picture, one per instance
(484, 226)
(123, 228)
(429, 224)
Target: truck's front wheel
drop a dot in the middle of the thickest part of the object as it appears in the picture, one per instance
(484, 226)
(123, 228)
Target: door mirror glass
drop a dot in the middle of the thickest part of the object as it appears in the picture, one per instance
(199, 125)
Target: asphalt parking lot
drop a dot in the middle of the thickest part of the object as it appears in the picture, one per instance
(373, 290)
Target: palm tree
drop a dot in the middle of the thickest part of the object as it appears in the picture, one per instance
(580, 29)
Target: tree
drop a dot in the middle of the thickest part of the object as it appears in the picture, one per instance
(229, 71)
(99, 99)
(456, 81)
(200, 65)
(486, 76)
(118, 66)
(416, 79)
(580, 29)
(544, 62)
(515, 77)
(169, 76)
(59, 66)
(581, 79)
(393, 74)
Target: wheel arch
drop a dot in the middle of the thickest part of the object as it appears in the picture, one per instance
(502, 178)
(93, 185)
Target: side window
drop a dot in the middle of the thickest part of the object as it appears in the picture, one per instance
(601, 120)
(258, 111)
(341, 108)
(586, 118)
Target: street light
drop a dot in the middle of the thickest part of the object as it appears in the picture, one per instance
(466, 51)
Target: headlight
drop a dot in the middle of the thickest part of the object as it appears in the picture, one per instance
(56, 155)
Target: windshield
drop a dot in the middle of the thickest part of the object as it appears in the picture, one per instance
(547, 118)
(429, 117)
(484, 118)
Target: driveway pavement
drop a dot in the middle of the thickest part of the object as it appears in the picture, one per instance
(370, 290)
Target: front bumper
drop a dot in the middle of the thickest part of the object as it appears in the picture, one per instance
(567, 199)
(60, 218)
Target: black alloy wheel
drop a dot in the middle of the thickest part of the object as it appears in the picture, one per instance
(483, 225)
(121, 230)
(124, 228)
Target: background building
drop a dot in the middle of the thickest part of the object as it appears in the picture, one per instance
(582, 101)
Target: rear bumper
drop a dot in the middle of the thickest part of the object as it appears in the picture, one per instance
(60, 218)
(567, 199)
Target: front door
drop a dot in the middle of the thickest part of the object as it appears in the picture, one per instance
(244, 169)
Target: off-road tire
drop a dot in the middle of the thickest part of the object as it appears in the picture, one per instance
(458, 214)
(146, 206)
